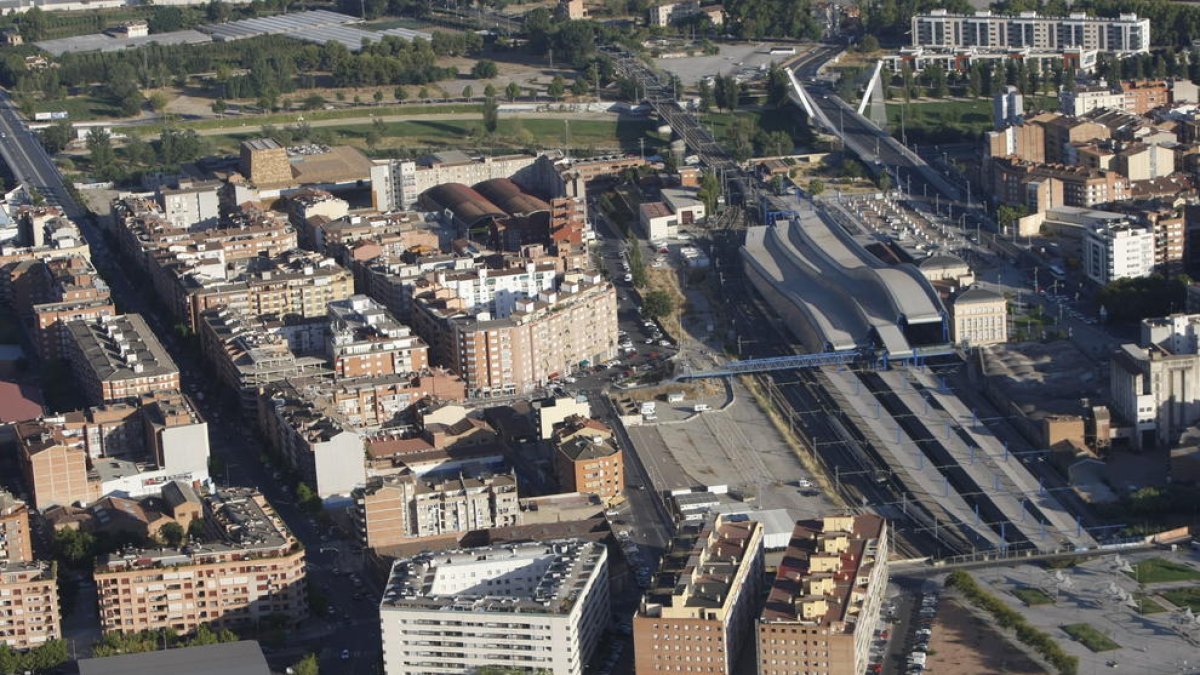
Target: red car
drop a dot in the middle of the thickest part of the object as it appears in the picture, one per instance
(876, 668)
(885, 634)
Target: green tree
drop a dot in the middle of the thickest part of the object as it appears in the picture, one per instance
(33, 24)
(884, 181)
(513, 90)
(172, 534)
(816, 187)
(423, 94)
(197, 529)
(74, 547)
(401, 94)
(491, 115)
(705, 93)
(557, 88)
(709, 192)
(219, 107)
(484, 69)
(489, 91)
(158, 101)
(100, 150)
(307, 499)
(727, 92)
(657, 304)
(377, 96)
(778, 85)
(56, 136)
(1008, 215)
(307, 666)
(869, 44)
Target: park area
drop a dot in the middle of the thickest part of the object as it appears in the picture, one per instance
(1158, 570)
(1088, 636)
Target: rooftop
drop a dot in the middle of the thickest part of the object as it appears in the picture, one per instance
(698, 570)
(540, 578)
(819, 579)
(121, 348)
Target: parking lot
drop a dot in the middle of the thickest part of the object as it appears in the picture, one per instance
(743, 60)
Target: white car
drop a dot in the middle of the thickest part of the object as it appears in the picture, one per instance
(628, 277)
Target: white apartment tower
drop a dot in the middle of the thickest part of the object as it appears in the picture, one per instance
(531, 607)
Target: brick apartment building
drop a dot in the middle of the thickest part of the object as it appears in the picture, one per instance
(29, 612)
(252, 569)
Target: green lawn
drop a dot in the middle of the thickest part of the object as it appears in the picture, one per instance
(1148, 605)
(1089, 637)
(279, 119)
(1184, 597)
(80, 108)
(1157, 570)
(1033, 596)
(941, 120)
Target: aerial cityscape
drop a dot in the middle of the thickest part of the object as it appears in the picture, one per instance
(582, 337)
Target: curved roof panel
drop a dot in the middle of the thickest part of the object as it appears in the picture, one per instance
(468, 205)
(509, 196)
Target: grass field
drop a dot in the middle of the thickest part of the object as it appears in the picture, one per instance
(1157, 570)
(1184, 597)
(511, 133)
(1148, 605)
(947, 120)
(1033, 596)
(80, 108)
(1089, 637)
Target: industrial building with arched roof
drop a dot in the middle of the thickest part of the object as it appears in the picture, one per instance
(468, 207)
(509, 196)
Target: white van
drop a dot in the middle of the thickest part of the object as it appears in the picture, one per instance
(701, 407)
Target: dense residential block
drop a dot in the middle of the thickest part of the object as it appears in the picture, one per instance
(249, 568)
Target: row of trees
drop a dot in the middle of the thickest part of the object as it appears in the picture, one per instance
(49, 655)
(112, 644)
(773, 18)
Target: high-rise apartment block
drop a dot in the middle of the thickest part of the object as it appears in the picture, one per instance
(1118, 251)
(700, 612)
(119, 358)
(253, 571)
(822, 610)
(1126, 34)
(28, 605)
(1155, 384)
(535, 607)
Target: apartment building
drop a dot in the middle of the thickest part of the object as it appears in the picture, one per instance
(365, 340)
(297, 283)
(587, 459)
(252, 570)
(309, 207)
(1126, 34)
(369, 403)
(247, 356)
(1118, 251)
(49, 293)
(117, 358)
(28, 605)
(391, 280)
(700, 612)
(131, 448)
(356, 238)
(402, 508)
(55, 469)
(979, 317)
(1155, 384)
(1025, 140)
(515, 345)
(537, 607)
(822, 611)
(191, 204)
(1080, 185)
(1061, 133)
(55, 237)
(16, 544)
(323, 449)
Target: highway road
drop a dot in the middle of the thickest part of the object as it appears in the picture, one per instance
(354, 623)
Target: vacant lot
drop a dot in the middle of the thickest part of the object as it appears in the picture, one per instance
(964, 643)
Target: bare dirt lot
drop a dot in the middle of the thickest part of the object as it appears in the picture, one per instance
(965, 643)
